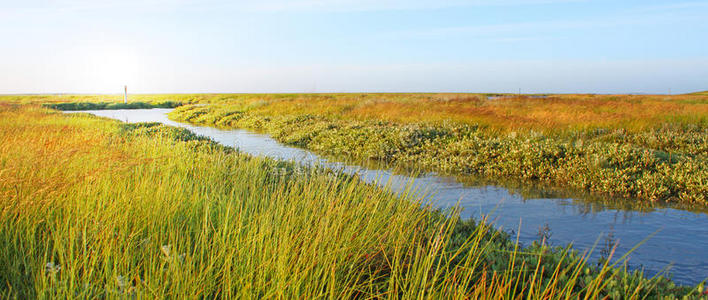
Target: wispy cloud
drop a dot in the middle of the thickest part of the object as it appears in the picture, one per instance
(382, 5)
(320, 6)
(277, 5)
(35, 9)
(543, 29)
(677, 6)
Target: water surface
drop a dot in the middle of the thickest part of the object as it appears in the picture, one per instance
(681, 240)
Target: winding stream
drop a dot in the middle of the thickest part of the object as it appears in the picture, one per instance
(680, 241)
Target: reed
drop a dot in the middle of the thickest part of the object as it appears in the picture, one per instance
(652, 148)
(91, 208)
(504, 112)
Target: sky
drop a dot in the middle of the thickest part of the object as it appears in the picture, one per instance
(274, 46)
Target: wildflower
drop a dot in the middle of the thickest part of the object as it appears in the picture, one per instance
(121, 282)
(165, 250)
(52, 269)
(123, 285)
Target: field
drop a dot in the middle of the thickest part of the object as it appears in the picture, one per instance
(92, 208)
(502, 112)
(649, 148)
(646, 148)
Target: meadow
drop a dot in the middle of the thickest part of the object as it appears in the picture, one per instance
(644, 148)
(93, 208)
(647, 148)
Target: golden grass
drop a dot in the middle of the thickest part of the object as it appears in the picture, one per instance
(90, 212)
(506, 113)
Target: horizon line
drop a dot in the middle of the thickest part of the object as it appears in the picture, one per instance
(323, 93)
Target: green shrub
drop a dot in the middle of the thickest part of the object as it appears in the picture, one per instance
(110, 105)
(666, 164)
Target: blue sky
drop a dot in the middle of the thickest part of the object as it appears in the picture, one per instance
(557, 46)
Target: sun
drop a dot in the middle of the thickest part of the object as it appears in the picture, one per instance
(109, 68)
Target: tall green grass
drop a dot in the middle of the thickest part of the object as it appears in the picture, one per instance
(90, 208)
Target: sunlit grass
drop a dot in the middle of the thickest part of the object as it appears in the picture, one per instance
(658, 161)
(91, 208)
(503, 112)
(649, 147)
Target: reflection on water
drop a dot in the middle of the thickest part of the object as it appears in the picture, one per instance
(681, 236)
(529, 190)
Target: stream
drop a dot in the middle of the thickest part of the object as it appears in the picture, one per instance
(680, 242)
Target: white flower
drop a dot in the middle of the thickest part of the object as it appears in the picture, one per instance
(121, 282)
(165, 250)
(51, 268)
(124, 285)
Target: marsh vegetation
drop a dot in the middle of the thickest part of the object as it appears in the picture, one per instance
(95, 208)
(649, 148)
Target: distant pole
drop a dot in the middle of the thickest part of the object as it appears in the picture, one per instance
(125, 96)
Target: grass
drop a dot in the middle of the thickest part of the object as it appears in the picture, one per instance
(110, 105)
(647, 148)
(651, 148)
(507, 113)
(92, 208)
(551, 114)
(69, 98)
